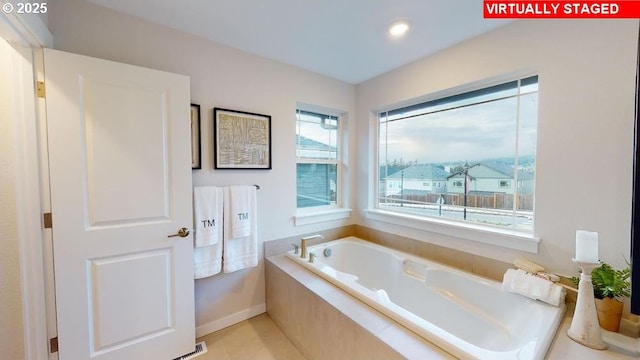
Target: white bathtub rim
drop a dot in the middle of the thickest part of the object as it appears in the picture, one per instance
(441, 338)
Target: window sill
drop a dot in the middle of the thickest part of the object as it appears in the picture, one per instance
(503, 238)
(321, 216)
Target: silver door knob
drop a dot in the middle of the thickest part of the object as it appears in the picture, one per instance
(182, 232)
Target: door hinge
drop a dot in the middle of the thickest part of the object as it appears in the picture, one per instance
(53, 345)
(40, 89)
(47, 220)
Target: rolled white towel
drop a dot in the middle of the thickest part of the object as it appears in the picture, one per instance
(527, 265)
(533, 287)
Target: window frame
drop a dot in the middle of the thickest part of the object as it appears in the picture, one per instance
(502, 237)
(314, 214)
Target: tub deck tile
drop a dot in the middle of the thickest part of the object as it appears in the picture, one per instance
(316, 284)
(411, 345)
(365, 316)
(383, 338)
(310, 309)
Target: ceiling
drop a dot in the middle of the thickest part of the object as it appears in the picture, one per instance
(343, 39)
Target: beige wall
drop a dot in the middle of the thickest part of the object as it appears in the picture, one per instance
(585, 128)
(586, 70)
(11, 325)
(220, 77)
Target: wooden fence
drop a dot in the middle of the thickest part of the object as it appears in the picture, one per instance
(485, 201)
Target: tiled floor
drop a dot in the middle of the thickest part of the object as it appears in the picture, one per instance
(260, 339)
(255, 339)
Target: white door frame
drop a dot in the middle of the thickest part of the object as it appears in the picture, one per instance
(27, 33)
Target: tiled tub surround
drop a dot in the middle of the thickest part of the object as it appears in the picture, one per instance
(325, 323)
(468, 316)
(296, 304)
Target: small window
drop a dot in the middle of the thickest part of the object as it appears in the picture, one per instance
(318, 159)
(505, 183)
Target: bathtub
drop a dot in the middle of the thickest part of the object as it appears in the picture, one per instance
(464, 314)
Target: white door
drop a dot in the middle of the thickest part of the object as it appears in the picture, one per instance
(120, 175)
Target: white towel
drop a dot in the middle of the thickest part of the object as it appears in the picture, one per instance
(207, 260)
(208, 218)
(240, 252)
(207, 208)
(533, 287)
(240, 210)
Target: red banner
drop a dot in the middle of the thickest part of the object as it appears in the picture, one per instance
(503, 9)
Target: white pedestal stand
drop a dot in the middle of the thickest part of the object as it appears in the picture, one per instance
(585, 328)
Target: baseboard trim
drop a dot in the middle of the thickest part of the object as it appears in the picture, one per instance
(230, 320)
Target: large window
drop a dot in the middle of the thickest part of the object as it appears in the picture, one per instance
(478, 144)
(318, 160)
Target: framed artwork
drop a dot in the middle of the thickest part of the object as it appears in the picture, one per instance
(196, 152)
(242, 140)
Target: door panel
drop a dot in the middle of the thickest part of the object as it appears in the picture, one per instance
(142, 295)
(114, 146)
(120, 175)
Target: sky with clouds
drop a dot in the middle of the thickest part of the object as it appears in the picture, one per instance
(472, 133)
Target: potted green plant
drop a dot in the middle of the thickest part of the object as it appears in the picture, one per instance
(609, 284)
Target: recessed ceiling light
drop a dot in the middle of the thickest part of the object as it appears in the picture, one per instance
(399, 28)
